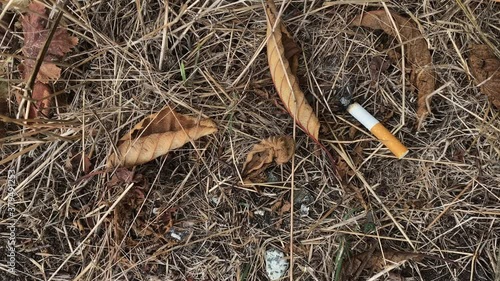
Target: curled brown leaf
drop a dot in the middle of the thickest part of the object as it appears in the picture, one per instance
(282, 55)
(485, 67)
(156, 135)
(279, 149)
(416, 51)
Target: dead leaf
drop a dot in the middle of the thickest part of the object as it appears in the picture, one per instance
(276, 205)
(279, 149)
(164, 220)
(343, 169)
(47, 72)
(418, 55)
(282, 55)
(485, 67)
(358, 195)
(375, 261)
(156, 135)
(35, 35)
(285, 208)
(129, 211)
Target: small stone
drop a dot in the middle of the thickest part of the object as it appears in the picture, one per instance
(215, 200)
(302, 196)
(276, 264)
(304, 210)
(260, 213)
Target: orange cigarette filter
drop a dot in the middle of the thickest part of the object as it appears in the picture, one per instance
(378, 130)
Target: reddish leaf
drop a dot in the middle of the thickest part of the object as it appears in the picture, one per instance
(47, 72)
(35, 36)
(34, 24)
(41, 94)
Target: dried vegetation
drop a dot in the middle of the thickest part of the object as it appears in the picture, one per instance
(188, 216)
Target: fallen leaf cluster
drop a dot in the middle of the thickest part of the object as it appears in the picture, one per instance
(416, 51)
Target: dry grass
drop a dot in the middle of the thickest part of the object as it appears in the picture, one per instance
(206, 58)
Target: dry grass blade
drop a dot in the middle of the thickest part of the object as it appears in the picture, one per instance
(4, 102)
(422, 74)
(282, 57)
(485, 67)
(156, 135)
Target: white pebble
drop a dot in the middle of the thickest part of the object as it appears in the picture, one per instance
(276, 264)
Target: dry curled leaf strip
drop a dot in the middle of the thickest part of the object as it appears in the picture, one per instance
(485, 67)
(418, 55)
(156, 135)
(282, 55)
(278, 149)
(375, 261)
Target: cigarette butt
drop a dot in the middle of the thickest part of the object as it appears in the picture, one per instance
(389, 140)
(377, 129)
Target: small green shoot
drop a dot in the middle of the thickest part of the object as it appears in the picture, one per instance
(244, 273)
(183, 72)
(339, 259)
